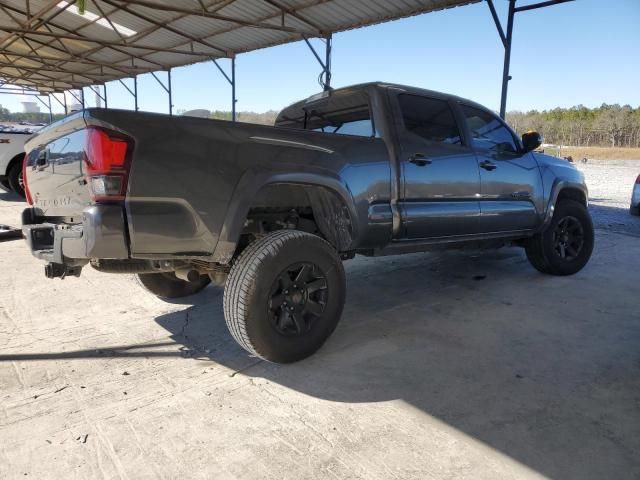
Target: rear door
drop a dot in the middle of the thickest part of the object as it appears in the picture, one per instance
(509, 177)
(440, 182)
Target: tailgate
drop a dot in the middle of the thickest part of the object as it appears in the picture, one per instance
(54, 170)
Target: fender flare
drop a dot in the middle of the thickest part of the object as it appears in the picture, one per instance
(248, 187)
(559, 185)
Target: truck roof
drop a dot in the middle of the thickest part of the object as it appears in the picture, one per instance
(362, 88)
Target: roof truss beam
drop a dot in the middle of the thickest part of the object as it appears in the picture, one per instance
(213, 15)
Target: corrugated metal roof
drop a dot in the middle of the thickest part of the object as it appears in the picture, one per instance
(49, 46)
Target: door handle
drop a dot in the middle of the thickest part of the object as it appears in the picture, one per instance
(487, 165)
(419, 159)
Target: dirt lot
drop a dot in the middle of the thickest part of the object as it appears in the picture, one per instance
(610, 185)
(444, 366)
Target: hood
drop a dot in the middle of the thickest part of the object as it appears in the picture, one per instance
(550, 161)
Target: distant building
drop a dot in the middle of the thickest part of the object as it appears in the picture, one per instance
(30, 107)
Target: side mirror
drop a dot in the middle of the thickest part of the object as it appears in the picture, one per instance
(531, 140)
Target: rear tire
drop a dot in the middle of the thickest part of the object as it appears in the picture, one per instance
(566, 244)
(167, 285)
(14, 178)
(284, 296)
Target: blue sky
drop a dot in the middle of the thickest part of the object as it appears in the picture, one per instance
(582, 52)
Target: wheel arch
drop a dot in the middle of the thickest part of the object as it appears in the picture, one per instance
(16, 159)
(564, 189)
(330, 200)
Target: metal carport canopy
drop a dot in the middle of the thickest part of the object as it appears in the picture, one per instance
(50, 46)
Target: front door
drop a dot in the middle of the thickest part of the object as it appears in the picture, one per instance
(440, 181)
(509, 177)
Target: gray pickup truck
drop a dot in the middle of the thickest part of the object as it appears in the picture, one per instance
(271, 211)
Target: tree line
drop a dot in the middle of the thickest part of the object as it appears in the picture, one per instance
(32, 117)
(604, 126)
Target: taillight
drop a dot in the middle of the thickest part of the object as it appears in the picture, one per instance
(27, 193)
(107, 164)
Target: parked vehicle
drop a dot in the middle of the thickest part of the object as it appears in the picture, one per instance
(11, 156)
(634, 209)
(271, 211)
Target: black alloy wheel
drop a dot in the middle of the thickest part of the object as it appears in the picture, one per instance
(564, 247)
(568, 238)
(298, 298)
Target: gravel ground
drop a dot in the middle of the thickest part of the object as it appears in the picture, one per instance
(610, 188)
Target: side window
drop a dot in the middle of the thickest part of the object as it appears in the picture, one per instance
(487, 132)
(429, 118)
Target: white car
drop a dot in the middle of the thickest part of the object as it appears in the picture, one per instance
(635, 198)
(11, 155)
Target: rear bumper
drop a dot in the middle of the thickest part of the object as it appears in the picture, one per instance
(102, 234)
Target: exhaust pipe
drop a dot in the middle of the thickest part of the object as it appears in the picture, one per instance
(58, 270)
(188, 274)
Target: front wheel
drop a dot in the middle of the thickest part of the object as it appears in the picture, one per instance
(566, 244)
(284, 296)
(167, 285)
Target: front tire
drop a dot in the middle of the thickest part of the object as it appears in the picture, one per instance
(566, 244)
(284, 296)
(166, 285)
(14, 178)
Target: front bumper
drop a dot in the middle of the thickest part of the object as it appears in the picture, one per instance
(102, 234)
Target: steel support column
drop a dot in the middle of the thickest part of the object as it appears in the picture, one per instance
(134, 92)
(508, 37)
(507, 59)
(170, 92)
(327, 63)
(62, 104)
(96, 90)
(47, 105)
(325, 76)
(233, 89)
(232, 82)
(79, 99)
(167, 88)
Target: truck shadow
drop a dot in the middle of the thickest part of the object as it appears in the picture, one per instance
(482, 343)
(9, 196)
(614, 219)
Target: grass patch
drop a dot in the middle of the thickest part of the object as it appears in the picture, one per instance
(601, 153)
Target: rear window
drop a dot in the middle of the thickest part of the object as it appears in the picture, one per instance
(343, 112)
